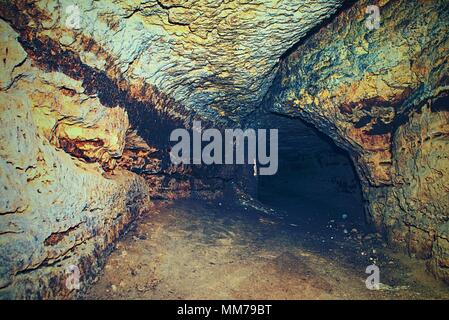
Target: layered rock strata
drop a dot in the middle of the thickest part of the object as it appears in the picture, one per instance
(60, 211)
(381, 93)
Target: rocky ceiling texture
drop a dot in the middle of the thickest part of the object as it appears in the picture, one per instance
(217, 58)
(89, 106)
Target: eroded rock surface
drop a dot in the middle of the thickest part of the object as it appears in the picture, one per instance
(74, 171)
(217, 58)
(58, 208)
(382, 95)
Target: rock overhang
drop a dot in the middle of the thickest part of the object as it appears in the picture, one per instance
(216, 59)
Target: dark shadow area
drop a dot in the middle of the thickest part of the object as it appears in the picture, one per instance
(316, 182)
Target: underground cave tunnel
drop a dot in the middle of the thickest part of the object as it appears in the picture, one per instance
(311, 168)
(93, 206)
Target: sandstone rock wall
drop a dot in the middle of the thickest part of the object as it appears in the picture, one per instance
(419, 195)
(382, 95)
(58, 206)
(75, 170)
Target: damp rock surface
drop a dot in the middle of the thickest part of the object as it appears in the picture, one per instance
(75, 169)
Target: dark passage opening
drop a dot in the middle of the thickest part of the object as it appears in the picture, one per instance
(316, 183)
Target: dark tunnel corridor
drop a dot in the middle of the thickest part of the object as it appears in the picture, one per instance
(312, 168)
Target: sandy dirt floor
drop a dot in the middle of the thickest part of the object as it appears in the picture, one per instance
(194, 250)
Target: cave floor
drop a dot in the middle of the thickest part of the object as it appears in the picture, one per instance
(195, 250)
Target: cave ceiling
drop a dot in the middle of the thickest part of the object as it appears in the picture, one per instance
(216, 58)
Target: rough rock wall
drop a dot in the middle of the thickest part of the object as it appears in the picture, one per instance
(166, 62)
(58, 206)
(73, 174)
(152, 114)
(420, 194)
(380, 94)
(82, 150)
(216, 58)
(143, 67)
